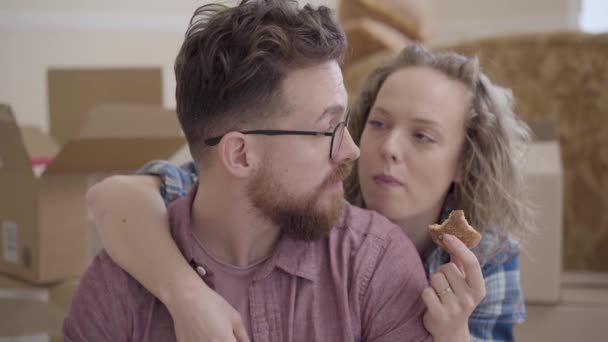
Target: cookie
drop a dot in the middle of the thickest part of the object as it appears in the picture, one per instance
(456, 224)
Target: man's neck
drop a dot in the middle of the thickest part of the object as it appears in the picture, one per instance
(229, 227)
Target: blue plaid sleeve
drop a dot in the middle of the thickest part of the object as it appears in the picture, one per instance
(503, 306)
(175, 181)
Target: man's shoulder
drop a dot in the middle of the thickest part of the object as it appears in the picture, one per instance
(383, 273)
(105, 277)
(364, 223)
(100, 307)
(103, 266)
(368, 234)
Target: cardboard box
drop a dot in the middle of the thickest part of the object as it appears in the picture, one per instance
(32, 313)
(541, 260)
(43, 222)
(73, 93)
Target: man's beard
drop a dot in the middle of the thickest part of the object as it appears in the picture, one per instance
(310, 217)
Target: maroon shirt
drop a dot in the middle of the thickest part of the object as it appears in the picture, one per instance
(361, 283)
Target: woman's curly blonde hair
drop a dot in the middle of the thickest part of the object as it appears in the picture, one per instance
(496, 140)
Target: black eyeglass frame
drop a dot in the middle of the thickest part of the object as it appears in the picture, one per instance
(340, 127)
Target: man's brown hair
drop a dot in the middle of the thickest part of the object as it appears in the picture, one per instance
(232, 63)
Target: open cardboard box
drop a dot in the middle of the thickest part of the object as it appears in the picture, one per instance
(43, 221)
(541, 260)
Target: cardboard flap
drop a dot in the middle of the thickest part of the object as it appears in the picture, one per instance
(73, 92)
(120, 138)
(37, 143)
(112, 154)
(13, 155)
(132, 121)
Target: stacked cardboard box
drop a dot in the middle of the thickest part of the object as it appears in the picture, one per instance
(560, 306)
(541, 261)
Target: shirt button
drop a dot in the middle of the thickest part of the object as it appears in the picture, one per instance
(201, 271)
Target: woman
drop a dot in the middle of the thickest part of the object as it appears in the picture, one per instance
(435, 135)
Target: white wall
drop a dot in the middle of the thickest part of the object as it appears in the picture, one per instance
(140, 7)
(27, 55)
(38, 34)
(593, 16)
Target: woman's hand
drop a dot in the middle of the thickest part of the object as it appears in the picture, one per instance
(202, 315)
(456, 289)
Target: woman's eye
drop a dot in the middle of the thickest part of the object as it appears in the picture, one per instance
(376, 123)
(424, 138)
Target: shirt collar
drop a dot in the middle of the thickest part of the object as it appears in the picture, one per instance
(295, 257)
(302, 258)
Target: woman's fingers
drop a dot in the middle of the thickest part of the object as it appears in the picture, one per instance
(472, 270)
(430, 298)
(441, 285)
(435, 313)
(455, 278)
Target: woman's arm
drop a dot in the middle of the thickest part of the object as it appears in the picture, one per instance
(132, 220)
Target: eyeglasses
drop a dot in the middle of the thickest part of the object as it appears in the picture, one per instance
(336, 136)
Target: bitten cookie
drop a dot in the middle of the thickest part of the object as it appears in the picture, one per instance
(456, 224)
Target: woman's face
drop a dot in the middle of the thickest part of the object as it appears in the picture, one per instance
(411, 143)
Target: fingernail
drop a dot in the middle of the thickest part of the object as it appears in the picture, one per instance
(448, 238)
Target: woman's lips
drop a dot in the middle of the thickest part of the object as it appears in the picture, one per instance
(387, 181)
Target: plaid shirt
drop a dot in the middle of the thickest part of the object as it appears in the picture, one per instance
(493, 318)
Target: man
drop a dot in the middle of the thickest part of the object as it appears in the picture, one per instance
(261, 99)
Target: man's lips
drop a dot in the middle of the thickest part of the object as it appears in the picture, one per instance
(387, 180)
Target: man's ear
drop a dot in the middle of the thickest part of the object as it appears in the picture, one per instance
(236, 152)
